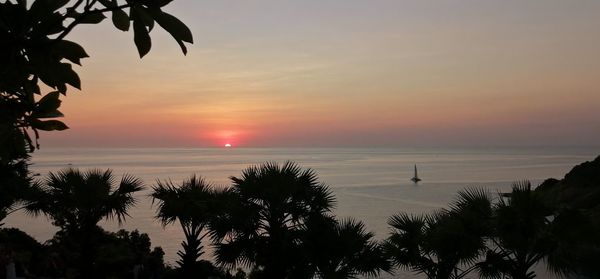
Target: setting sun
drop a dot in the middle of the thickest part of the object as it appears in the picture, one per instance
(227, 145)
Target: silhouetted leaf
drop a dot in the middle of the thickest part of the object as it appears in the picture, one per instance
(175, 27)
(62, 88)
(182, 46)
(48, 103)
(120, 20)
(49, 125)
(50, 114)
(180, 32)
(31, 87)
(108, 3)
(47, 25)
(143, 15)
(58, 74)
(72, 13)
(40, 7)
(156, 3)
(23, 3)
(70, 51)
(68, 76)
(92, 18)
(141, 38)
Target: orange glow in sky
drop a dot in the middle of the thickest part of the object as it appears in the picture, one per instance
(227, 138)
(361, 73)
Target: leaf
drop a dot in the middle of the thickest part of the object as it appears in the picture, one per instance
(48, 103)
(53, 28)
(92, 18)
(51, 114)
(47, 25)
(62, 88)
(23, 3)
(67, 75)
(108, 3)
(31, 87)
(70, 51)
(120, 20)
(72, 13)
(40, 7)
(156, 3)
(56, 75)
(182, 46)
(138, 12)
(49, 125)
(141, 38)
(175, 27)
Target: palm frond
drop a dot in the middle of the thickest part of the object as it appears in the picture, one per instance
(407, 223)
(476, 199)
(494, 266)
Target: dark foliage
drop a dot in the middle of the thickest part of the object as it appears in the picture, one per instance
(21, 249)
(266, 212)
(33, 49)
(119, 254)
(17, 187)
(342, 249)
(76, 201)
(528, 229)
(34, 52)
(194, 204)
(441, 244)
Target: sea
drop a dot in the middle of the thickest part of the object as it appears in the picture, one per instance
(370, 184)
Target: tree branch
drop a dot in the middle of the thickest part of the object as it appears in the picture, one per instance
(86, 13)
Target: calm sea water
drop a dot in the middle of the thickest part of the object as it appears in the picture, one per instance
(370, 184)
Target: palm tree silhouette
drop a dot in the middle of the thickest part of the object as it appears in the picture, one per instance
(193, 203)
(527, 229)
(444, 244)
(266, 211)
(76, 201)
(342, 249)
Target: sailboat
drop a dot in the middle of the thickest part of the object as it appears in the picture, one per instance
(415, 178)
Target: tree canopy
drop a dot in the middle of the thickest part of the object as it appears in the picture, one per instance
(35, 54)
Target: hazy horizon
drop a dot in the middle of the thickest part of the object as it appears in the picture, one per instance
(419, 148)
(382, 73)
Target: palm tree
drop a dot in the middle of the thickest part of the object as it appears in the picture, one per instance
(527, 230)
(342, 249)
(266, 212)
(193, 203)
(76, 201)
(444, 244)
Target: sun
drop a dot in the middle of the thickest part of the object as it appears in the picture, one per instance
(227, 145)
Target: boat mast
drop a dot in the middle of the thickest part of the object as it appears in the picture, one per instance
(416, 178)
(416, 175)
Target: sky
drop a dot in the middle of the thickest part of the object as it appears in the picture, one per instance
(376, 73)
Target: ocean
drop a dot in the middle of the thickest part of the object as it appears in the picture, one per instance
(370, 184)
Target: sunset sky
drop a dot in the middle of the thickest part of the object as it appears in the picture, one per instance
(345, 73)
